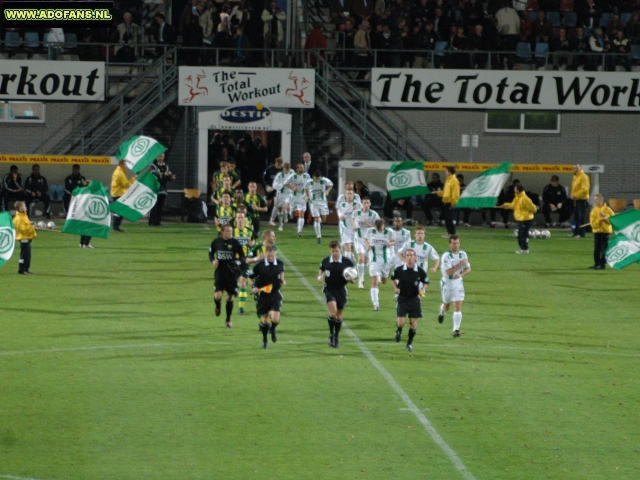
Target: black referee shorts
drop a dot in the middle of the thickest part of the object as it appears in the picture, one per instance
(269, 302)
(336, 295)
(225, 282)
(409, 307)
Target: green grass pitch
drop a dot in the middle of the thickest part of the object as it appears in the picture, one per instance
(113, 366)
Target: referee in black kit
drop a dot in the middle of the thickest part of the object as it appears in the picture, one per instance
(407, 279)
(227, 256)
(268, 279)
(335, 291)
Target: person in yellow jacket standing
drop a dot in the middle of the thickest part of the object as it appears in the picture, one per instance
(580, 190)
(25, 233)
(601, 228)
(450, 196)
(119, 186)
(523, 211)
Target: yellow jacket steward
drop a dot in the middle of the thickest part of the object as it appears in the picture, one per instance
(580, 186)
(522, 206)
(597, 224)
(24, 229)
(451, 192)
(120, 183)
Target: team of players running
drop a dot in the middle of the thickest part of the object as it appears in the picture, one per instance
(389, 252)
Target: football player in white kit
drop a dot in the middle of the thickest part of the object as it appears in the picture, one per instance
(455, 265)
(362, 220)
(296, 183)
(424, 253)
(316, 190)
(283, 195)
(345, 215)
(402, 237)
(380, 241)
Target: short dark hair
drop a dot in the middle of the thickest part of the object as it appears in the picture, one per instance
(272, 248)
(33, 167)
(75, 166)
(453, 237)
(159, 15)
(555, 178)
(334, 244)
(519, 187)
(317, 173)
(13, 168)
(451, 170)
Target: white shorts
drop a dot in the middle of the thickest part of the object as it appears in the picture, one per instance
(361, 248)
(282, 199)
(380, 269)
(298, 203)
(397, 261)
(452, 291)
(319, 209)
(346, 235)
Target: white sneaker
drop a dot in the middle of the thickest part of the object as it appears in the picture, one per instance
(361, 284)
(89, 246)
(273, 224)
(467, 224)
(280, 228)
(522, 251)
(376, 307)
(81, 246)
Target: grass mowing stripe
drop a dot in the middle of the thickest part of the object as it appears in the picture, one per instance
(11, 477)
(457, 462)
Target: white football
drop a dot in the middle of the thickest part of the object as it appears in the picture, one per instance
(51, 225)
(42, 225)
(350, 274)
(546, 234)
(534, 233)
(515, 233)
(33, 223)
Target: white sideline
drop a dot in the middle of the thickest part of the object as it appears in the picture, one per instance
(457, 462)
(106, 347)
(11, 477)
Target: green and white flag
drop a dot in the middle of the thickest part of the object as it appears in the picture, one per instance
(622, 252)
(139, 199)
(406, 179)
(139, 152)
(7, 237)
(628, 224)
(89, 212)
(484, 190)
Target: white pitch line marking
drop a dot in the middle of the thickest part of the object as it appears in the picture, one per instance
(11, 477)
(107, 347)
(457, 462)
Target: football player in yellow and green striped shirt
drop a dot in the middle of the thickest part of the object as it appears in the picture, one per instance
(244, 236)
(225, 212)
(257, 203)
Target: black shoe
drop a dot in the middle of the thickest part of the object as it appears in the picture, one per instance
(217, 312)
(456, 333)
(23, 273)
(597, 267)
(118, 229)
(319, 240)
(593, 267)
(409, 348)
(440, 318)
(336, 342)
(274, 336)
(398, 334)
(229, 325)
(241, 311)
(299, 234)
(265, 345)
(331, 340)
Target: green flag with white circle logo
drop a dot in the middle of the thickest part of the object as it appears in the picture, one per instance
(622, 252)
(139, 152)
(7, 237)
(628, 224)
(484, 190)
(89, 212)
(406, 179)
(139, 199)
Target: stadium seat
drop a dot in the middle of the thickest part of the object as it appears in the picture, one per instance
(554, 18)
(636, 203)
(533, 15)
(31, 41)
(12, 40)
(70, 42)
(523, 51)
(542, 49)
(570, 19)
(566, 5)
(377, 199)
(617, 204)
(605, 19)
(635, 53)
(624, 18)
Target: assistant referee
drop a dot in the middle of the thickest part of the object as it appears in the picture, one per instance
(268, 279)
(407, 280)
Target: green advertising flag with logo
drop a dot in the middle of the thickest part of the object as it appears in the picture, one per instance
(89, 212)
(7, 237)
(622, 252)
(139, 199)
(406, 179)
(139, 152)
(628, 224)
(484, 190)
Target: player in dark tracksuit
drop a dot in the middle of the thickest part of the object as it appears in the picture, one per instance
(268, 276)
(332, 269)
(407, 280)
(13, 187)
(227, 256)
(36, 188)
(161, 171)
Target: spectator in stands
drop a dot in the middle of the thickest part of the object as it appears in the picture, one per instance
(598, 43)
(164, 34)
(441, 26)
(622, 47)
(189, 10)
(390, 205)
(315, 41)
(520, 5)
(579, 45)
(421, 11)
(205, 18)
(561, 49)
(632, 30)
(36, 189)
(400, 9)
(460, 42)
(555, 199)
(243, 43)
(542, 28)
(382, 41)
(339, 10)
(72, 182)
(432, 200)
(382, 13)
(363, 10)
(508, 26)
(525, 34)
(588, 13)
(224, 35)
(613, 26)
(128, 37)
(478, 43)
(348, 37)
(192, 38)
(88, 53)
(362, 44)
(473, 13)
(492, 38)
(13, 187)
(273, 30)
(424, 42)
(240, 14)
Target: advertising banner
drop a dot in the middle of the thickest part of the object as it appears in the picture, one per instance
(506, 90)
(256, 87)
